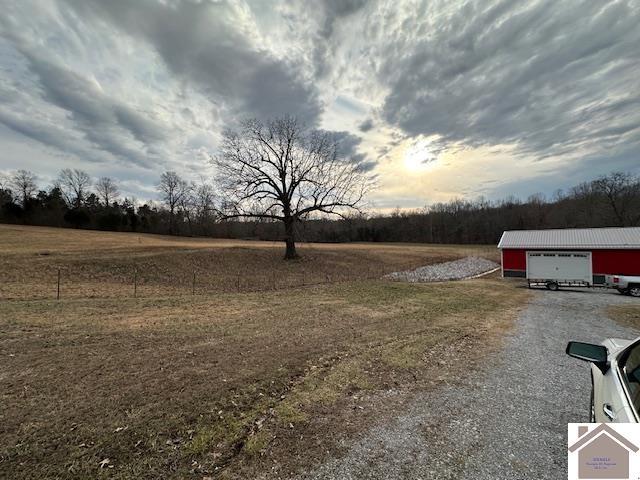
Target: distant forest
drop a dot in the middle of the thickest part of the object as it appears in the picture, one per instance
(78, 201)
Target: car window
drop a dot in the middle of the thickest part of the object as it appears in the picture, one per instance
(631, 374)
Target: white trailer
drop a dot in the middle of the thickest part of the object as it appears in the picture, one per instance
(561, 268)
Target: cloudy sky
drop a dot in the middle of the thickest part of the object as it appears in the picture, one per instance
(441, 99)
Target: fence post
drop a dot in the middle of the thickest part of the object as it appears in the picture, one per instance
(193, 284)
(135, 283)
(303, 278)
(58, 294)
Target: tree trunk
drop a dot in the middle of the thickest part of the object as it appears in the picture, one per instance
(290, 239)
(188, 215)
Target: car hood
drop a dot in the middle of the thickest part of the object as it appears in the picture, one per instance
(616, 344)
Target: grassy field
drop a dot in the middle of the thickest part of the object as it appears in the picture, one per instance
(104, 264)
(229, 385)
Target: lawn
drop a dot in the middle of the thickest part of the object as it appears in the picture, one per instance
(234, 384)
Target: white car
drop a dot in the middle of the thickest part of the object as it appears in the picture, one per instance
(615, 378)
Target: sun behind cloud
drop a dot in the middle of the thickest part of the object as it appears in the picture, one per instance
(420, 156)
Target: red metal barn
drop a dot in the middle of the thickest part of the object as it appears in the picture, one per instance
(582, 255)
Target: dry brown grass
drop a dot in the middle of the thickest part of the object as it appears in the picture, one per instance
(198, 383)
(626, 315)
(102, 264)
(229, 384)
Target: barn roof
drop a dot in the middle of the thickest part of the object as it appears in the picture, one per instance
(587, 238)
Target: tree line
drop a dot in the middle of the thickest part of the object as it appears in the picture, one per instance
(76, 200)
(191, 208)
(279, 180)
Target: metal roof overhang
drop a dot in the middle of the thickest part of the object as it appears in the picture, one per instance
(579, 238)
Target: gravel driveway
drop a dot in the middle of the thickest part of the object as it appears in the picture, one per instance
(508, 423)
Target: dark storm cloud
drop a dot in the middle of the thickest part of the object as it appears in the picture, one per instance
(347, 148)
(551, 77)
(366, 125)
(203, 43)
(347, 143)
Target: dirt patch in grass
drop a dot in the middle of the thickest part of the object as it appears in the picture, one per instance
(627, 315)
(229, 385)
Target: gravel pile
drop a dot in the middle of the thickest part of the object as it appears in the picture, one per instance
(456, 270)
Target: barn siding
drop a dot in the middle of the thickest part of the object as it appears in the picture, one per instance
(622, 262)
(604, 262)
(514, 259)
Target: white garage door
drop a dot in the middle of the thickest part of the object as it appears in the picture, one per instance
(560, 266)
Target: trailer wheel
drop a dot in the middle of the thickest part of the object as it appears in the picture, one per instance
(553, 286)
(634, 290)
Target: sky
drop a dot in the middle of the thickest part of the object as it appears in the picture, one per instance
(438, 99)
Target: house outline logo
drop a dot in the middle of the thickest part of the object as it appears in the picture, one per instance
(602, 453)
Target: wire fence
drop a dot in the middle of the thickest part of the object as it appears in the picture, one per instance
(65, 283)
(194, 272)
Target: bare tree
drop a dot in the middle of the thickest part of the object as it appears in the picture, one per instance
(621, 190)
(4, 181)
(187, 205)
(24, 183)
(204, 203)
(74, 184)
(172, 189)
(281, 171)
(588, 203)
(107, 190)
